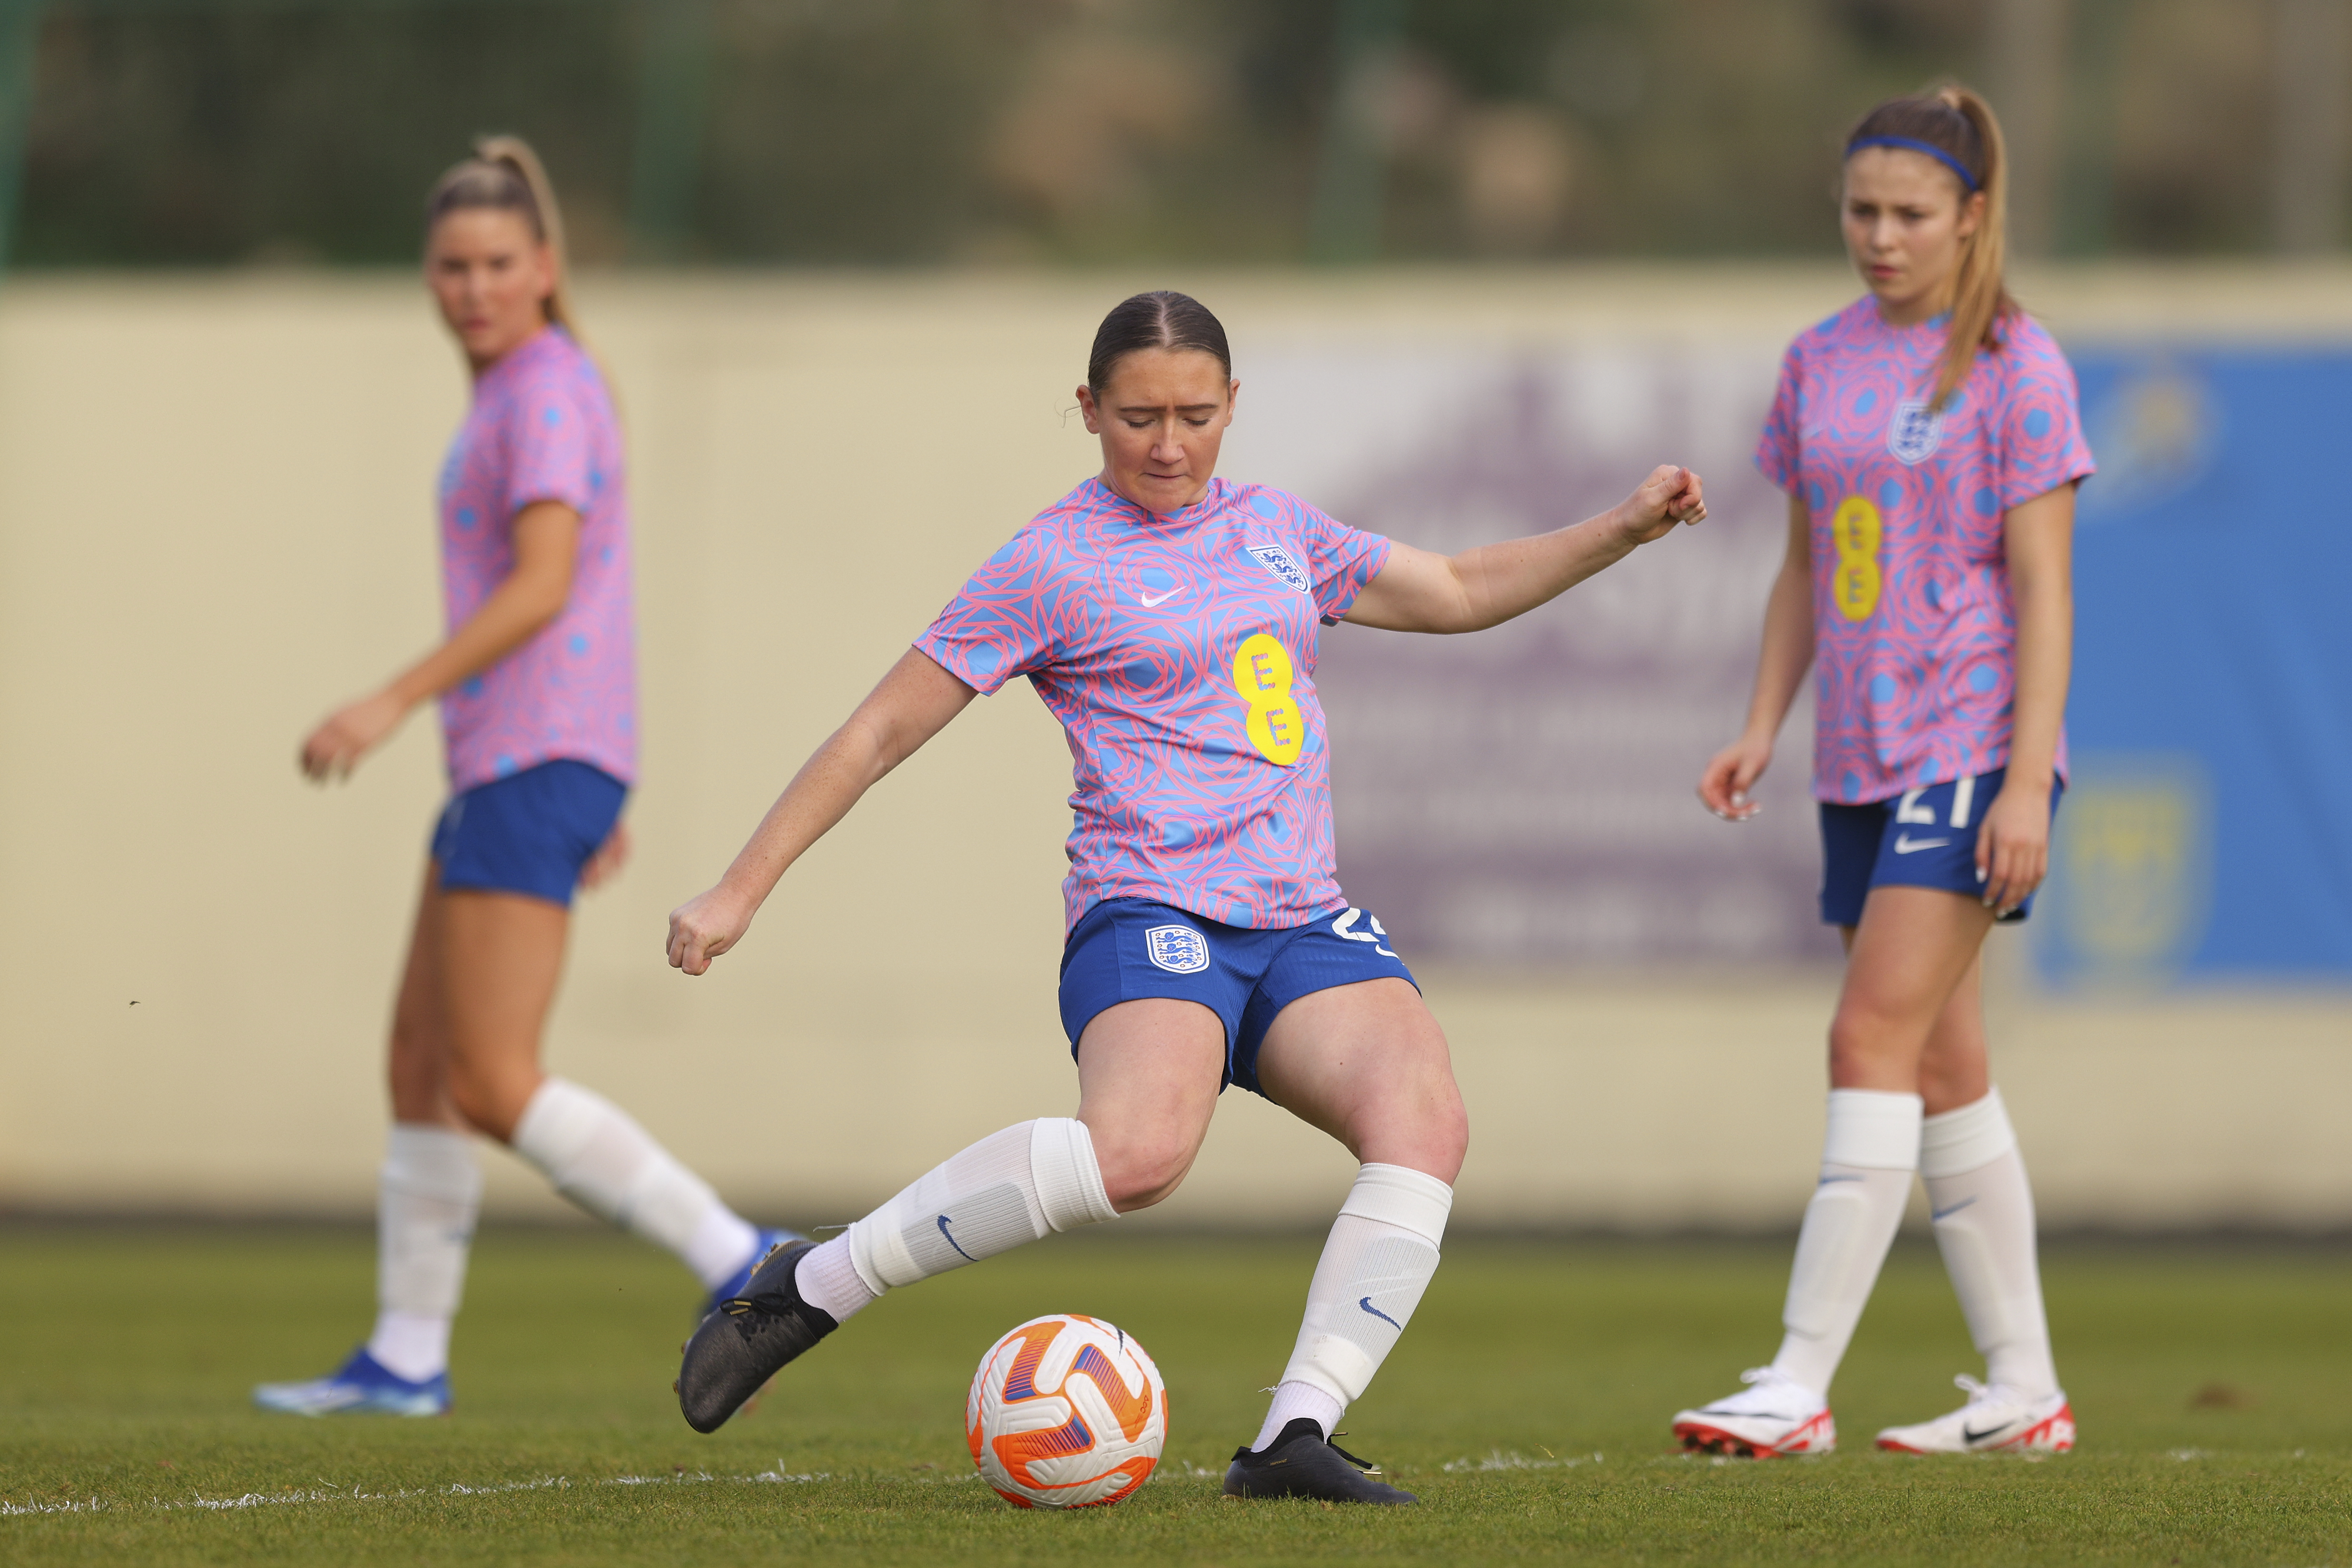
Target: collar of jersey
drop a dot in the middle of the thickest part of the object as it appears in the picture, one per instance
(1214, 496)
(537, 346)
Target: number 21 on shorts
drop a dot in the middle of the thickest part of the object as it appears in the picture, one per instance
(1855, 581)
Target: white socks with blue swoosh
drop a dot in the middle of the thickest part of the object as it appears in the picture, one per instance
(1983, 1211)
(1018, 1186)
(1868, 1156)
(1383, 1250)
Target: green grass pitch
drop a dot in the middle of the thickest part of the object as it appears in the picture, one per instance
(1528, 1406)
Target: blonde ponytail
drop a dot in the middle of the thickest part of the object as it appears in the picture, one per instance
(505, 174)
(1957, 126)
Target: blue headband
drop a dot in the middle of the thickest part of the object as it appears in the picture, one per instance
(1968, 181)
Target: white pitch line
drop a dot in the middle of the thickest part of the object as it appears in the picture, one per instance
(778, 1476)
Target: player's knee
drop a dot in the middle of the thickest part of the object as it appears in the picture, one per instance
(1139, 1173)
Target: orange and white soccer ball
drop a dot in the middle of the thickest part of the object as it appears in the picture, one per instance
(1066, 1412)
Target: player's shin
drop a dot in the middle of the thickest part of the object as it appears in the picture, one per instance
(427, 1195)
(1015, 1186)
(1383, 1250)
(599, 1157)
(1868, 1156)
(1983, 1211)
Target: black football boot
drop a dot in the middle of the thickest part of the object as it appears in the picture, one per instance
(744, 1340)
(1301, 1462)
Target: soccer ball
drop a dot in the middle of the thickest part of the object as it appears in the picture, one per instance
(1066, 1412)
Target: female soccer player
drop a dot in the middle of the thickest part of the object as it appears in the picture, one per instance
(1929, 443)
(537, 687)
(1169, 619)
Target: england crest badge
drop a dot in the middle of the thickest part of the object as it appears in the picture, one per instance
(1179, 949)
(1913, 433)
(1276, 560)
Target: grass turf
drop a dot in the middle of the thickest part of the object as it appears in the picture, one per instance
(1528, 1406)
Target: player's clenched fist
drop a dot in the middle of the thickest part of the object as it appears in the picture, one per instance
(702, 928)
(1670, 495)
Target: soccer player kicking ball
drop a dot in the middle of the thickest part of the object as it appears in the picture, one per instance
(1929, 439)
(1169, 619)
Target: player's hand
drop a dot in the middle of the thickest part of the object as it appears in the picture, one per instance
(1727, 784)
(2013, 845)
(335, 747)
(704, 927)
(1669, 495)
(610, 857)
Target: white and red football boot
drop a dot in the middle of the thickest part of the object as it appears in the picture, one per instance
(1772, 1417)
(1997, 1419)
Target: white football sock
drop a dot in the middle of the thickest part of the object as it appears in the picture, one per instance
(1383, 1250)
(1868, 1156)
(1983, 1209)
(599, 1157)
(427, 1193)
(1015, 1186)
(1292, 1400)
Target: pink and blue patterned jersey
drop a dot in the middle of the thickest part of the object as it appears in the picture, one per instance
(1178, 650)
(541, 428)
(1914, 634)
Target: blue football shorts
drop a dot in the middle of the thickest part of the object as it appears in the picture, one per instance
(1922, 838)
(529, 832)
(1127, 948)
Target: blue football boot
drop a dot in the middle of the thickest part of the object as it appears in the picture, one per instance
(360, 1385)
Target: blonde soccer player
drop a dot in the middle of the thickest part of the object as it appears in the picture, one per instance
(1929, 443)
(537, 682)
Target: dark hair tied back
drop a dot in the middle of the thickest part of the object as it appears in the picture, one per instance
(1160, 319)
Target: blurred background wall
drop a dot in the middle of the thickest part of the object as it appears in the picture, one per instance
(1484, 263)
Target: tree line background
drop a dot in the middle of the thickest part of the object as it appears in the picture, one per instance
(1076, 131)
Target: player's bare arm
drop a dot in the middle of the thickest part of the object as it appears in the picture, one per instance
(2038, 541)
(1420, 591)
(1727, 784)
(546, 544)
(914, 702)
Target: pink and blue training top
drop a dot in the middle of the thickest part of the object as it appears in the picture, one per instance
(541, 428)
(1914, 634)
(1178, 650)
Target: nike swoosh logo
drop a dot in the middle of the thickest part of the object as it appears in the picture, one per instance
(1827, 1179)
(1150, 604)
(1947, 1213)
(1367, 1304)
(951, 1242)
(1968, 1434)
(1905, 845)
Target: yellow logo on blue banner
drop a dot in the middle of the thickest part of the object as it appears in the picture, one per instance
(2130, 870)
(1263, 674)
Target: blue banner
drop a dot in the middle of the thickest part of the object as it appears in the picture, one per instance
(2207, 833)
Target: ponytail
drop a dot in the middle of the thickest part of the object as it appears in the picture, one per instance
(1956, 127)
(505, 174)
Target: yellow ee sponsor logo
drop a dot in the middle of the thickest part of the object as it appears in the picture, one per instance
(1263, 674)
(1855, 583)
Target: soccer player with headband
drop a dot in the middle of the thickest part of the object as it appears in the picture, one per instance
(1929, 443)
(537, 689)
(1169, 619)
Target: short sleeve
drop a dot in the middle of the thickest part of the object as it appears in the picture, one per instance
(1339, 559)
(551, 442)
(2039, 444)
(1006, 620)
(1779, 453)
